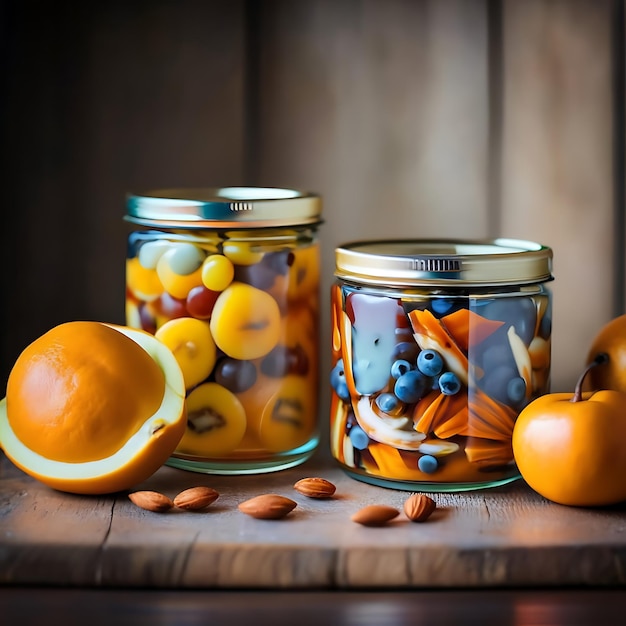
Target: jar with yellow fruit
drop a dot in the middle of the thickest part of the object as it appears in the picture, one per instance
(228, 279)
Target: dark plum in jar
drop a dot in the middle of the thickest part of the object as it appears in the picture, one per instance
(436, 348)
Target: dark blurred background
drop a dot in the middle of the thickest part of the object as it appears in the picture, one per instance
(452, 118)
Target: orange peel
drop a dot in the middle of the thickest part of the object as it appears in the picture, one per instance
(467, 327)
(488, 453)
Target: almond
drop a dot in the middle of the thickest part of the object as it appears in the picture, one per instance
(315, 487)
(418, 507)
(196, 498)
(151, 501)
(267, 506)
(375, 515)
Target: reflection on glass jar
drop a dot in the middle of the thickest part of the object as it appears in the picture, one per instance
(436, 348)
(228, 279)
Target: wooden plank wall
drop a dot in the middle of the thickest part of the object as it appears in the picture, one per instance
(453, 118)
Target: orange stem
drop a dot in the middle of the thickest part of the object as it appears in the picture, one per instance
(599, 359)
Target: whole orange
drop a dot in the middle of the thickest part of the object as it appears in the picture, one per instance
(93, 408)
(611, 339)
(569, 446)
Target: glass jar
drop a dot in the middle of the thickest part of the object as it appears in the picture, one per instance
(229, 280)
(436, 348)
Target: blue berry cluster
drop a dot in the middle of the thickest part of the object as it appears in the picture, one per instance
(338, 381)
(414, 380)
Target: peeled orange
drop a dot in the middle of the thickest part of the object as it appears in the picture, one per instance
(93, 408)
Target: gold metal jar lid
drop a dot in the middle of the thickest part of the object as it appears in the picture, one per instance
(433, 262)
(225, 207)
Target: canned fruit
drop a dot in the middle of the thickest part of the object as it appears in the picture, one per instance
(394, 430)
(288, 419)
(411, 386)
(303, 273)
(283, 360)
(218, 272)
(242, 252)
(150, 253)
(338, 381)
(427, 464)
(232, 317)
(374, 328)
(184, 258)
(454, 382)
(166, 308)
(200, 302)
(177, 284)
(429, 362)
(237, 376)
(144, 284)
(449, 384)
(216, 422)
(93, 408)
(192, 344)
(246, 322)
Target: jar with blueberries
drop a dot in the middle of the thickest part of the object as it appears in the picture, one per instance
(436, 347)
(228, 279)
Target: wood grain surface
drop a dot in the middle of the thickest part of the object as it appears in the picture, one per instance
(501, 537)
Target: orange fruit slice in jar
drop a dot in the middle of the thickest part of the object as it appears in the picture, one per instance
(216, 422)
(288, 419)
(93, 408)
(246, 322)
(192, 344)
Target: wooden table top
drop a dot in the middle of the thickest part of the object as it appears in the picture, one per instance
(506, 537)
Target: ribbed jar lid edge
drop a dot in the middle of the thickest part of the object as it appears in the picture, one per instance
(223, 207)
(453, 262)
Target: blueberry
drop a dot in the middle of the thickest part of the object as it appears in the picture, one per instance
(441, 305)
(359, 438)
(410, 387)
(400, 367)
(427, 464)
(406, 350)
(387, 402)
(449, 384)
(338, 381)
(283, 360)
(496, 381)
(520, 312)
(429, 362)
(516, 389)
(545, 326)
(496, 352)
